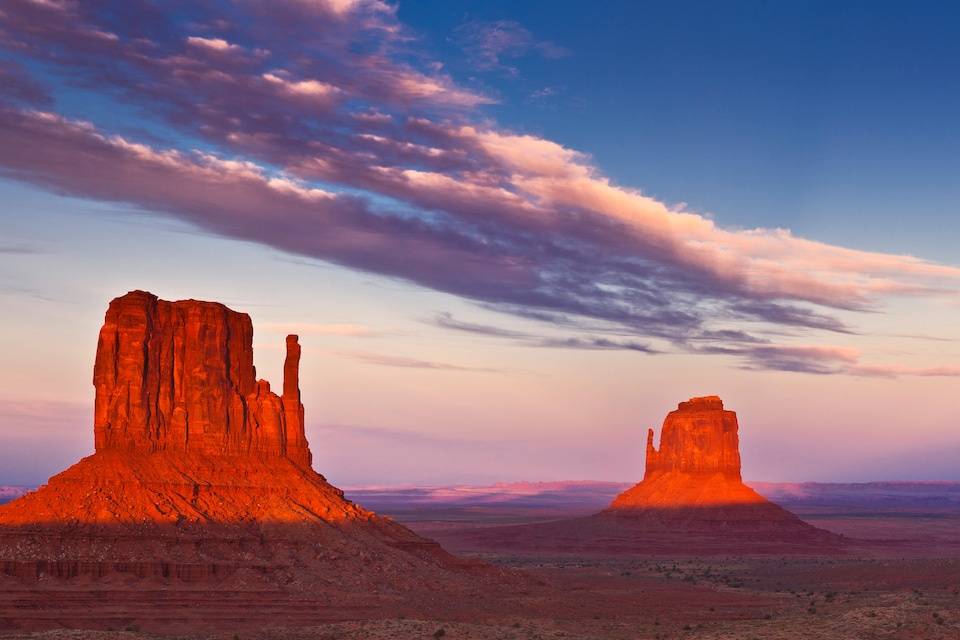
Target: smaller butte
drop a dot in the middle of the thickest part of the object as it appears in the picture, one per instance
(696, 467)
(692, 487)
(691, 501)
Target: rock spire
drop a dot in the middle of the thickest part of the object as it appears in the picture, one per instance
(179, 376)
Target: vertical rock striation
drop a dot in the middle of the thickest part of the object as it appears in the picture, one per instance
(201, 471)
(699, 437)
(179, 376)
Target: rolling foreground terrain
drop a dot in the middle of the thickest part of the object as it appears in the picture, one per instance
(902, 581)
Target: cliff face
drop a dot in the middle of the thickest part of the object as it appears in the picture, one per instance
(692, 495)
(179, 376)
(696, 470)
(699, 437)
(201, 471)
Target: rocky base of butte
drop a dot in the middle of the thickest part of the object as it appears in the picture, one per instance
(202, 474)
(693, 481)
(691, 501)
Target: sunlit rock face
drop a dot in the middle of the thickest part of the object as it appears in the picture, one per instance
(694, 476)
(697, 464)
(185, 433)
(201, 471)
(690, 502)
(699, 437)
(179, 376)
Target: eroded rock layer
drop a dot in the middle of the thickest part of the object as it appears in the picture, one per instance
(179, 376)
(201, 474)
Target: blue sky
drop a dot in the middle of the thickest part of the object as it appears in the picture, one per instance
(500, 228)
(817, 116)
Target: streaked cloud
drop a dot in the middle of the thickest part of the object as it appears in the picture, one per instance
(21, 248)
(446, 320)
(819, 359)
(329, 142)
(312, 328)
(404, 362)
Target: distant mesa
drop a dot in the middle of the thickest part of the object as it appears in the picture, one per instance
(201, 472)
(697, 465)
(691, 501)
(692, 484)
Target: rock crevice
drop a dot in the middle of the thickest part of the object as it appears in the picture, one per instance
(179, 376)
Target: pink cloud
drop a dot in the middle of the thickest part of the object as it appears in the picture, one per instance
(334, 145)
(215, 44)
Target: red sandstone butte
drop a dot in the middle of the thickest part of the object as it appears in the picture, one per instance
(179, 376)
(201, 472)
(697, 465)
(691, 501)
(692, 483)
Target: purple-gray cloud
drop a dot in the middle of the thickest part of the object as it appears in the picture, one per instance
(823, 360)
(311, 128)
(19, 86)
(592, 343)
(446, 320)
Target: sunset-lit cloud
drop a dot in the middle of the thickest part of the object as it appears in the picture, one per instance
(331, 143)
(217, 44)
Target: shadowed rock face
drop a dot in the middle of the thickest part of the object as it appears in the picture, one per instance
(179, 376)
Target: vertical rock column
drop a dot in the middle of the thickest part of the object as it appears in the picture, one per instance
(179, 376)
(653, 464)
(297, 448)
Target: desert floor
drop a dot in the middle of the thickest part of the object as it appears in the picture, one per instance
(901, 579)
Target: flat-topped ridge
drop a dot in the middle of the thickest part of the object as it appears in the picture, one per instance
(702, 403)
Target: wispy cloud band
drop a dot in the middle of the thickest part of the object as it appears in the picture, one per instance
(308, 127)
